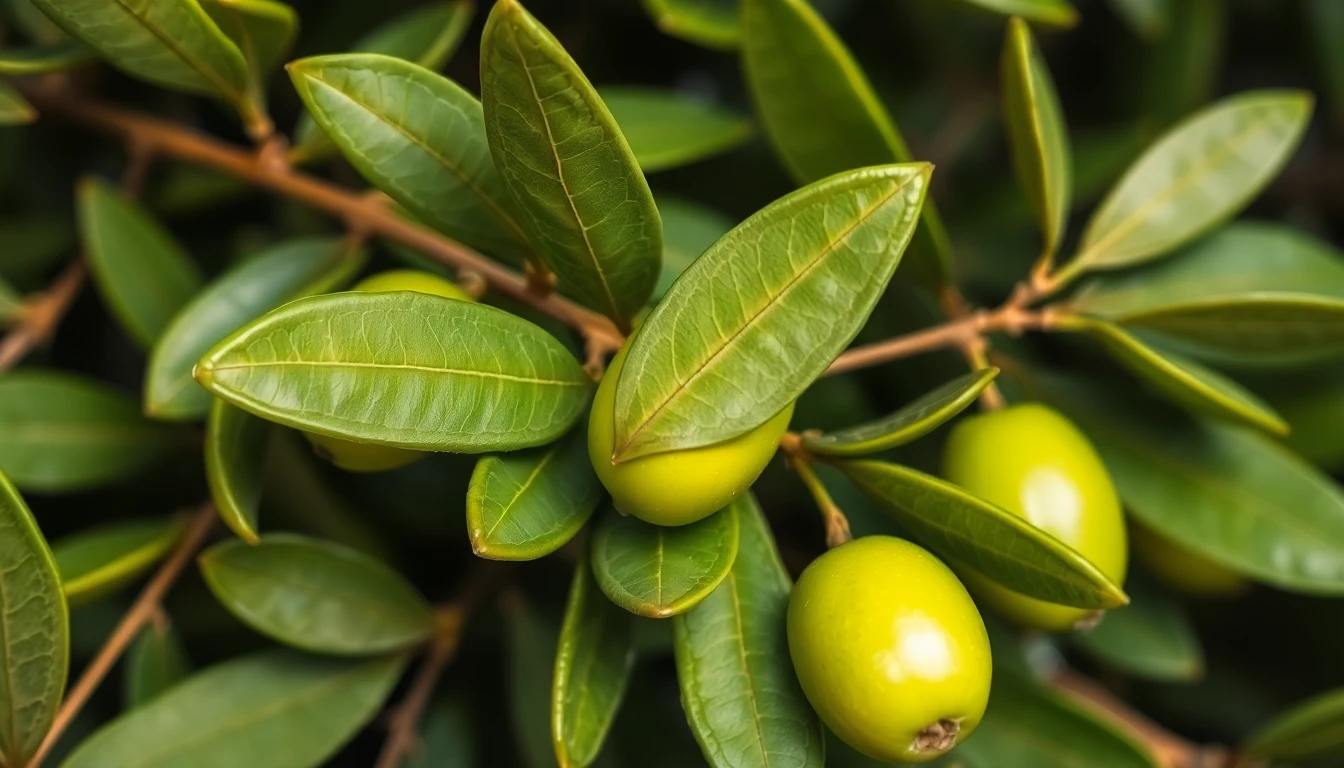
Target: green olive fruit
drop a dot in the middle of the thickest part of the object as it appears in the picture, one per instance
(367, 457)
(890, 649)
(1183, 569)
(676, 487)
(1033, 462)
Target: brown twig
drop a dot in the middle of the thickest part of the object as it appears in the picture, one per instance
(142, 612)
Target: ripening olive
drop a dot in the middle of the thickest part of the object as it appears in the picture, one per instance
(1183, 569)
(367, 457)
(889, 649)
(676, 487)
(1033, 462)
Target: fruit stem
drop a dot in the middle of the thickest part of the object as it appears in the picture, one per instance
(800, 461)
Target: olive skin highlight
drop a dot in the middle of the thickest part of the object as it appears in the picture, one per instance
(1033, 462)
(890, 649)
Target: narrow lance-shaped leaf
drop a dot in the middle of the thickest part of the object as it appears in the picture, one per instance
(1058, 13)
(263, 30)
(1037, 133)
(277, 709)
(1314, 728)
(142, 272)
(283, 272)
(35, 635)
(797, 68)
(711, 23)
(656, 571)
(417, 136)
(979, 535)
(592, 669)
(100, 561)
(907, 424)
(764, 311)
(738, 686)
(1152, 637)
(155, 662)
(577, 186)
(316, 595)
(402, 369)
(524, 505)
(666, 129)
(43, 59)
(236, 444)
(14, 109)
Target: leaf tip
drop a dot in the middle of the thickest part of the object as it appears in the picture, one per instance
(204, 373)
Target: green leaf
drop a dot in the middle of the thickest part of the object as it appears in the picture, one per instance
(689, 229)
(11, 303)
(576, 184)
(592, 669)
(1202, 172)
(279, 274)
(43, 59)
(524, 505)
(14, 109)
(33, 22)
(654, 571)
(317, 596)
(979, 535)
(1181, 380)
(142, 273)
(1152, 637)
(1180, 71)
(155, 662)
(1150, 19)
(64, 432)
(906, 425)
(711, 23)
(35, 635)
(417, 136)
(100, 561)
(1037, 133)
(788, 289)
(797, 68)
(30, 244)
(277, 709)
(1313, 728)
(483, 379)
(666, 129)
(263, 30)
(738, 686)
(236, 445)
(1058, 13)
(447, 737)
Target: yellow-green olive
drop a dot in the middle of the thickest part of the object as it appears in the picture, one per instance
(676, 487)
(1183, 569)
(367, 457)
(890, 649)
(1033, 462)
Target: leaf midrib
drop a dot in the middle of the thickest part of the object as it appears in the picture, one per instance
(211, 77)
(394, 367)
(523, 488)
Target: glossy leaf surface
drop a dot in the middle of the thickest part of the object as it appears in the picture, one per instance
(977, 534)
(317, 596)
(42, 59)
(666, 129)
(711, 23)
(277, 709)
(910, 423)
(1313, 728)
(235, 455)
(155, 662)
(772, 303)
(142, 272)
(738, 686)
(403, 369)
(592, 669)
(1152, 637)
(64, 432)
(1059, 13)
(654, 571)
(35, 635)
(417, 136)
(99, 561)
(575, 182)
(281, 273)
(524, 505)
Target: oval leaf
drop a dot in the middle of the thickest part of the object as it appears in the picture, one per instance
(100, 561)
(666, 129)
(236, 445)
(317, 596)
(35, 635)
(522, 506)
(1152, 637)
(142, 273)
(65, 433)
(43, 59)
(592, 668)
(976, 534)
(711, 23)
(417, 136)
(1037, 133)
(789, 288)
(280, 273)
(277, 709)
(1202, 172)
(738, 686)
(155, 662)
(578, 187)
(906, 425)
(658, 572)
(1310, 729)
(482, 379)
